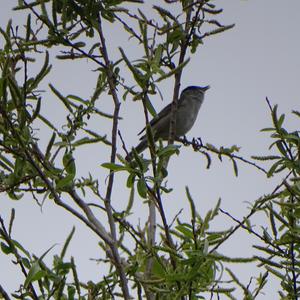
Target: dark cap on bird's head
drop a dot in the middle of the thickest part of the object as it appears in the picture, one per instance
(195, 87)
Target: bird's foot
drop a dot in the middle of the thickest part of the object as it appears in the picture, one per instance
(197, 143)
(185, 141)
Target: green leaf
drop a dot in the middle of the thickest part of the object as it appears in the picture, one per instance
(281, 120)
(71, 292)
(69, 164)
(195, 43)
(281, 148)
(43, 72)
(2, 87)
(47, 122)
(16, 92)
(87, 140)
(115, 167)
(267, 129)
(150, 107)
(50, 145)
(35, 273)
(274, 115)
(19, 169)
(64, 183)
(165, 13)
(26, 262)
(297, 113)
(28, 27)
(175, 35)
(6, 35)
(21, 248)
(61, 268)
(37, 110)
(12, 195)
(108, 15)
(274, 168)
(158, 269)
(6, 249)
(150, 138)
(79, 44)
(235, 167)
(168, 151)
(219, 30)
(192, 203)
(142, 188)
(158, 54)
(63, 99)
(130, 180)
(75, 276)
(185, 230)
(130, 201)
(138, 76)
(161, 169)
(67, 242)
(97, 136)
(266, 158)
(143, 29)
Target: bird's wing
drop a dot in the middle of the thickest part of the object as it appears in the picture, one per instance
(164, 112)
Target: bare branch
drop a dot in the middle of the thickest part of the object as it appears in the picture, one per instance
(3, 293)
(107, 202)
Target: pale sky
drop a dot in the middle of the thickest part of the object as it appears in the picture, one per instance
(258, 58)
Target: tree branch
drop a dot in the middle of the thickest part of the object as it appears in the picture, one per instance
(107, 202)
(3, 293)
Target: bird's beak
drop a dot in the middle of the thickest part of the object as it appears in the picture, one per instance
(205, 88)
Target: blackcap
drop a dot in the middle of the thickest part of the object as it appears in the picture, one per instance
(188, 107)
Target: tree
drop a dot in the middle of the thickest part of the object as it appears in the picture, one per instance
(185, 261)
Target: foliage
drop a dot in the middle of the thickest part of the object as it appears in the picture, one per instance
(185, 262)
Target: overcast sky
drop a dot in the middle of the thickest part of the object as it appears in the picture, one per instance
(258, 58)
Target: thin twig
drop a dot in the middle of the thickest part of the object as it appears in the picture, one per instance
(128, 28)
(273, 195)
(123, 143)
(91, 222)
(197, 146)
(3, 293)
(107, 202)
(241, 224)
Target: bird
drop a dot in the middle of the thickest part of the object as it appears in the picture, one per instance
(189, 103)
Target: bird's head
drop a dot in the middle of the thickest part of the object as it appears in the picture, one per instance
(194, 92)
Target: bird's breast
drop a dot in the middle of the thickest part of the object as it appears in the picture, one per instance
(186, 116)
